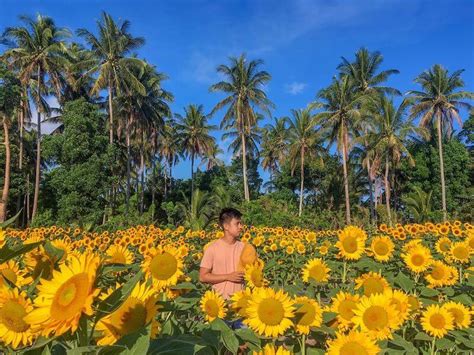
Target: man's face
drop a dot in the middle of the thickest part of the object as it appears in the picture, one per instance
(234, 227)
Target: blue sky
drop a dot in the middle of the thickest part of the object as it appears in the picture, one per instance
(300, 41)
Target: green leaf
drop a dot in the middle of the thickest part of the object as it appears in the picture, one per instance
(404, 282)
(115, 267)
(181, 344)
(5, 224)
(444, 344)
(117, 297)
(228, 337)
(184, 286)
(249, 337)
(328, 316)
(404, 344)
(55, 253)
(138, 342)
(429, 292)
(7, 253)
(423, 336)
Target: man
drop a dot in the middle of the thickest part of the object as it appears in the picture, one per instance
(221, 257)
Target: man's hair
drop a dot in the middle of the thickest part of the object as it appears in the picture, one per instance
(227, 214)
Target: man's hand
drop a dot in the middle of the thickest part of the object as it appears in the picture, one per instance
(236, 277)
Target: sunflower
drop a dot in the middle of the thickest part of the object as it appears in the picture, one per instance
(118, 255)
(316, 270)
(414, 304)
(460, 313)
(344, 305)
(271, 349)
(351, 243)
(212, 305)
(138, 310)
(437, 321)
(460, 252)
(10, 272)
(323, 249)
(376, 316)
(270, 312)
(372, 283)
(417, 259)
(240, 301)
(164, 266)
(382, 248)
(443, 245)
(63, 246)
(401, 302)
(351, 344)
(62, 300)
(254, 276)
(440, 275)
(14, 331)
(308, 314)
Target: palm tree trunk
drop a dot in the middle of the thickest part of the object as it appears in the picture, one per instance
(387, 192)
(6, 182)
(371, 193)
(142, 174)
(22, 120)
(127, 142)
(111, 116)
(192, 174)
(302, 181)
(346, 179)
(38, 151)
(244, 169)
(28, 218)
(441, 168)
(153, 178)
(165, 177)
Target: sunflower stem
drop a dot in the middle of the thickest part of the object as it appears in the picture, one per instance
(433, 347)
(303, 344)
(460, 274)
(344, 272)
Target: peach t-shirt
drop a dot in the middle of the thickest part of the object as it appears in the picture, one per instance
(223, 258)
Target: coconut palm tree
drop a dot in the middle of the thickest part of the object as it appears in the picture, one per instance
(243, 87)
(111, 48)
(194, 135)
(390, 137)
(37, 52)
(210, 158)
(340, 110)
(10, 95)
(304, 141)
(169, 149)
(438, 105)
(364, 71)
(274, 144)
(197, 211)
(419, 204)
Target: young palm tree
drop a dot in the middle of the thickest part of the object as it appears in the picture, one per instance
(210, 158)
(364, 71)
(274, 144)
(304, 141)
(390, 137)
(197, 211)
(115, 68)
(37, 52)
(419, 204)
(193, 133)
(340, 104)
(438, 105)
(244, 86)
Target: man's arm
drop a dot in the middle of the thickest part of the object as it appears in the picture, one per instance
(205, 275)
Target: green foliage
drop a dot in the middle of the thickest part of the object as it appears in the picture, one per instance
(80, 159)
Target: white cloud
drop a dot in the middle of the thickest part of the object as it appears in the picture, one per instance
(295, 88)
(202, 68)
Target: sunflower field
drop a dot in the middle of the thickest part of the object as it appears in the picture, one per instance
(406, 289)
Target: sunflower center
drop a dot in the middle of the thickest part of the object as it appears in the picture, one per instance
(457, 315)
(132, 316)
(417, 260)
(163, 266)
(461, 252)
(212, 308)
(306, 314)
(444, 246)
(375, 318)
(381, 248)
(372, 286)
(353, 347)
(317, 272)
(350, 244)
(70, 298)
(437, 321)
(438, 273)
(271, 311)
(346, 309)
(11, 316)
(256, 277)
